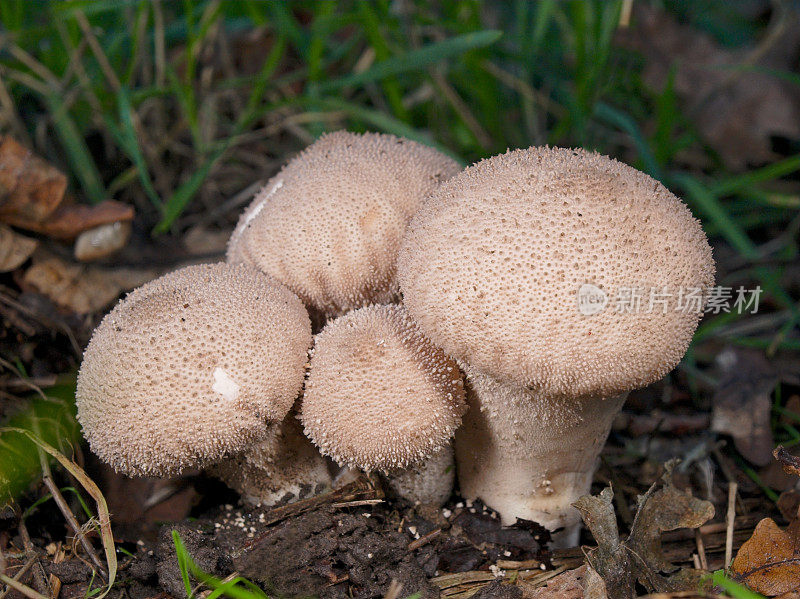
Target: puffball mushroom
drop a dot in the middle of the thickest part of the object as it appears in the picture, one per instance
(191, 367)
(328, 226)
(491, 269)
(284, 466)
(379, 396)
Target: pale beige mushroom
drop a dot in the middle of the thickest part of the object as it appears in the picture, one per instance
(329, 225)
(282, 468)
(515, 267)
(192, 367)
(380, 397)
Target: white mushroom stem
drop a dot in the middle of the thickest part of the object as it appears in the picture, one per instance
(529, 456)
(430, 482)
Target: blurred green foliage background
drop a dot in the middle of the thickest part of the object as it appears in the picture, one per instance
(177, 107)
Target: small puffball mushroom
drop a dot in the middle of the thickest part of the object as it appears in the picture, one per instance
(191, 367)
(328, 226)
(379, 396)
(514, 267)
(283, 467)
(430, 482)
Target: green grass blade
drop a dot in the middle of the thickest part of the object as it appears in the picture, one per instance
(415, 60)
(130, 144)
(78, 155)
(733, 588)
(178, 201)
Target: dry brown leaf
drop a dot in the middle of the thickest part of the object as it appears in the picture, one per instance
(742, 404)
(14, 249)
(790, 463)
(736, 109)
(70, 220)
(769, 562)
(30, 188)
(32, 197)
(567, 585)
(639, 558)
(81, 288)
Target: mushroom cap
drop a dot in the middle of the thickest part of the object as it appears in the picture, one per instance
(492, 265)
(329, 225)
(190, 367)
(379, 395)
(285, 466)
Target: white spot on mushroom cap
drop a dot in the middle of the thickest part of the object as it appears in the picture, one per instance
(144, 397)
(225, 385)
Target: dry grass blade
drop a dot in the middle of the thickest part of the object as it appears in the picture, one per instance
(21, 588)
(92, 489)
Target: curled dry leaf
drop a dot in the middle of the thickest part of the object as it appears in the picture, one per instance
(567, 585)
(742, 403)
(80, 288)
(14, 249)
(736, 109)
(639, 558)
(769, 562)
(790, 463)
(32, 197)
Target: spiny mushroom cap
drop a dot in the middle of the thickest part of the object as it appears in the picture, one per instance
(329, 225)
(284, 466)
(192, 366)
(492, 265)
(379, 395)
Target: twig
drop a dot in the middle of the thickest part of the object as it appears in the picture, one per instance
(18, 576)
(424, 540)
(30, 552)
(357, 503)
(70, 518)
(730, 518)
(701, 549)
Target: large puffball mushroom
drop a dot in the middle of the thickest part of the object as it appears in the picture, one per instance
(329, 225)
(282, 468)
(191, 367)
(379, 396)
(515, 268)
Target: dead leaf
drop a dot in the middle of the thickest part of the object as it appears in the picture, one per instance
(81, 288)
(790, 463)
(30, 188)
(32, 197)
(14, 249)
(789, 504)
(769, 562)
(70, 220)
(742, 403)
(610, 559)
(736, 109)
(567, 585)
(640, 558)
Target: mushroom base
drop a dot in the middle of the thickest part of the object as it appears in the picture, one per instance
(429, 483)
(281, 469)
(529, 456)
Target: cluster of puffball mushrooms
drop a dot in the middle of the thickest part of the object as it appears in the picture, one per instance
(447, 330)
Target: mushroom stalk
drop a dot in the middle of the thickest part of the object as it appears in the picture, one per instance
(531, 456)
(429, 482)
